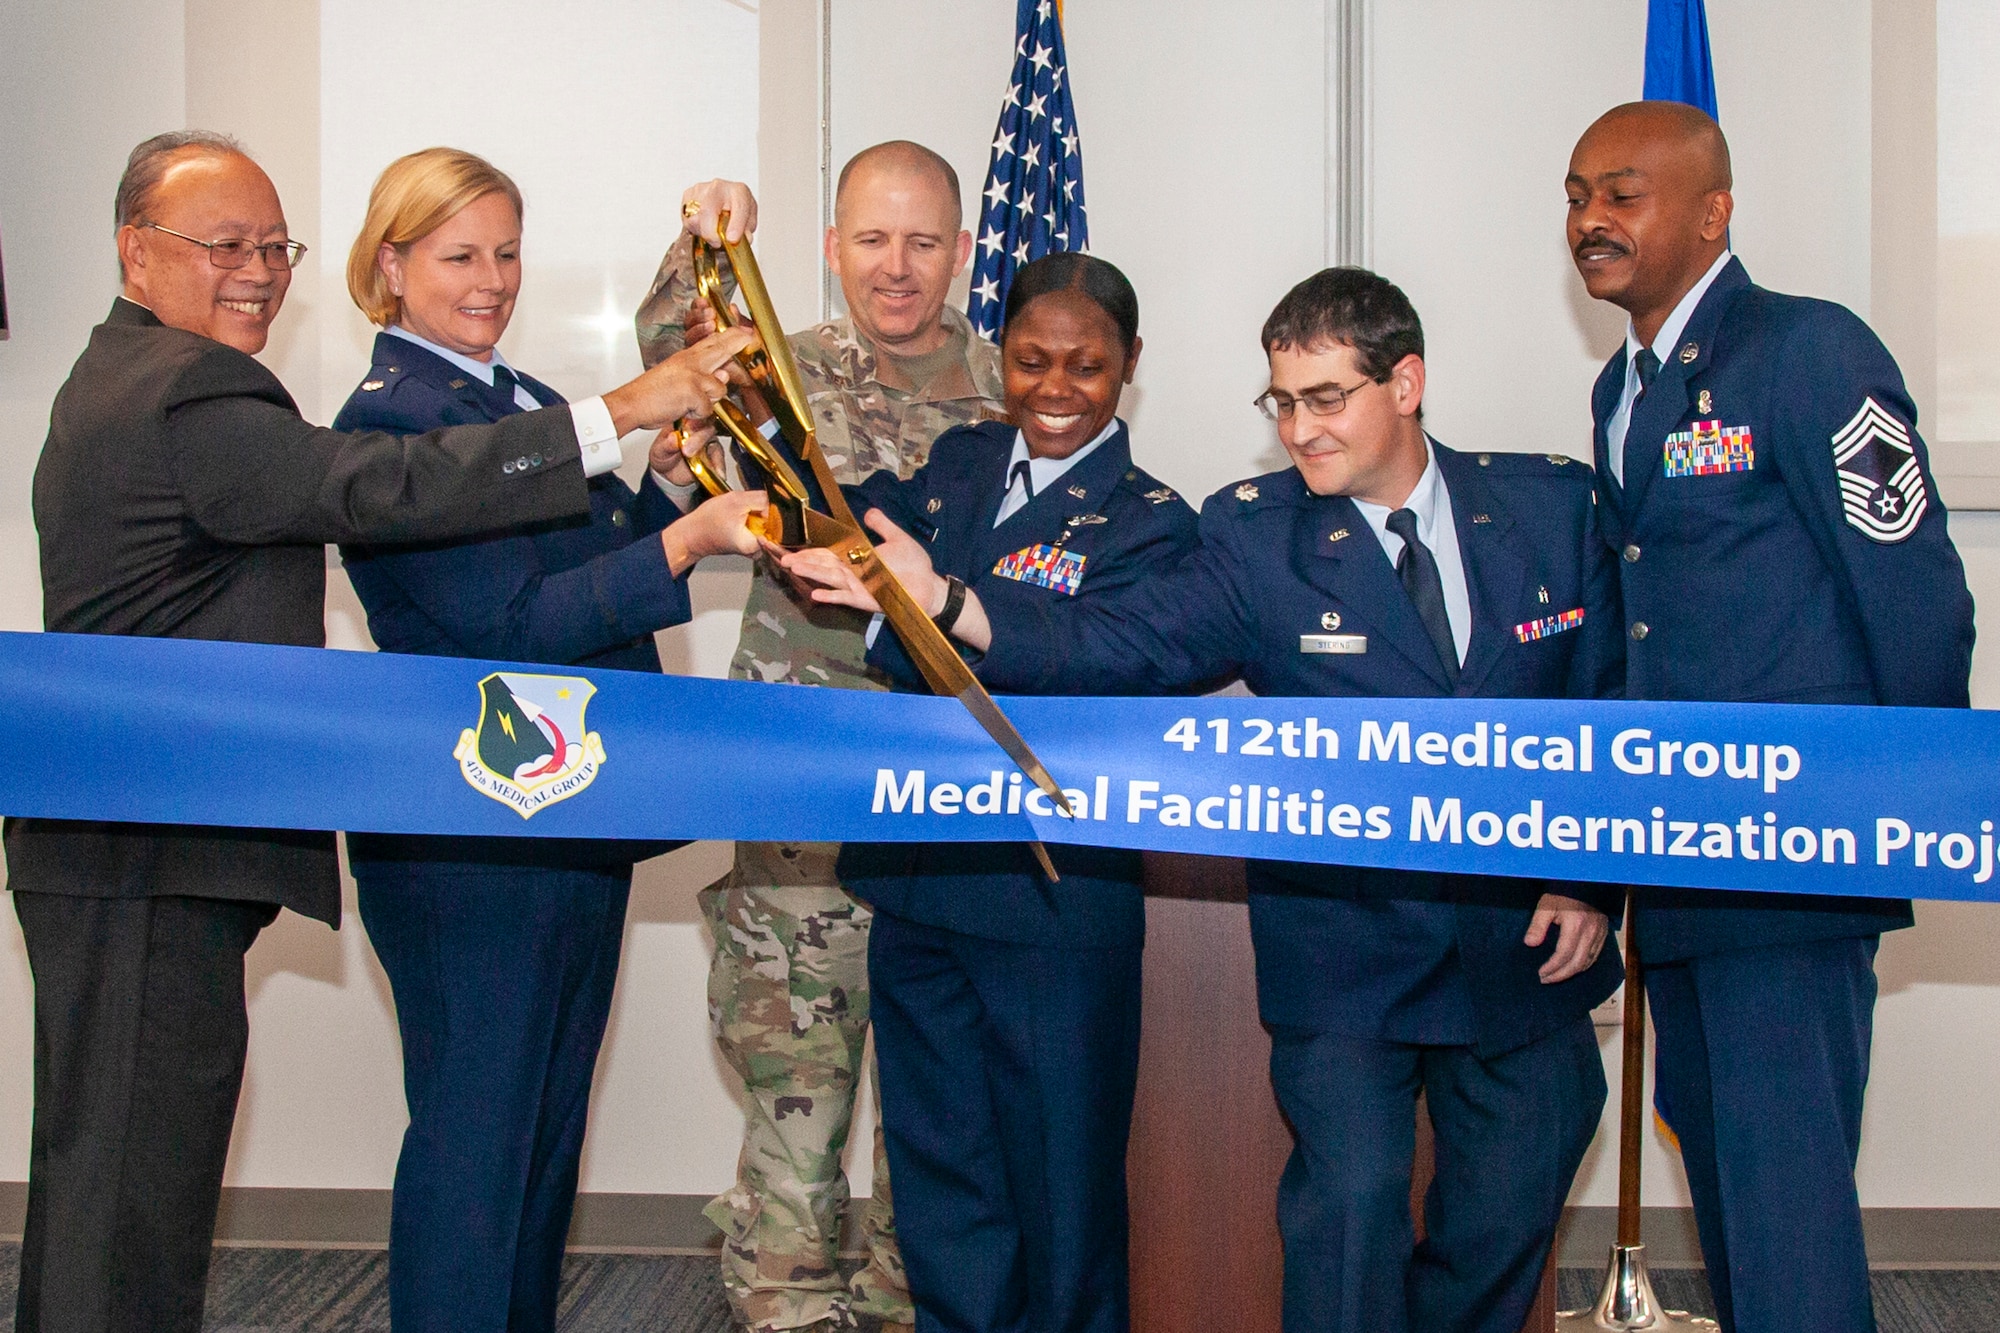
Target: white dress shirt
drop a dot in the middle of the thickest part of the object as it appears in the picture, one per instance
(1042, 472)
(596, 437)
(1436, 529)
(1664, 344)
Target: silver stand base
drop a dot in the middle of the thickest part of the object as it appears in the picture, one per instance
(1627, 1302)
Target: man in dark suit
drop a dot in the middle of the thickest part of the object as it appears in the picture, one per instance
(1763, 445)
(1384, 564)
(180, 495)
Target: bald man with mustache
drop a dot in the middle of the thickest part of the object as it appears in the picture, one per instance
(1780, 540)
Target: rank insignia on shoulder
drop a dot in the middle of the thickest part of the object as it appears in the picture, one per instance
(1708, 449)
(1558, 460)
(1078, 491)
(1247, 492)
(1881, 486)
(370, 386)
(1161, 496)
(1044, 566)
(1705, 403)
(934, 505)
(1086, 520)
(1529, 631)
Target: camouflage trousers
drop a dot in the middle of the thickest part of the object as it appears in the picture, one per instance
(788, 1002)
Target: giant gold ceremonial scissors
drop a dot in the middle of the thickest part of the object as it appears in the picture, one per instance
(793, 523)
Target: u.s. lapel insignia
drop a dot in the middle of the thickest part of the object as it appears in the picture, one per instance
(1482, 518)
(1705, 403)
(1086, 520)
(370, 386)
(935, 505)
(1337, 535)
(1330, 620)
(458, 384)
(1689, 353)
(1247, 492)
(1078, 491)
(1160, 496)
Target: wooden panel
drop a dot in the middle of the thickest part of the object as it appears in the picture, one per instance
(1207, 1140)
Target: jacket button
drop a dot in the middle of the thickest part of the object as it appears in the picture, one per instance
(617, 518)
(1639, 630)
(1632, 553)
(507, 468)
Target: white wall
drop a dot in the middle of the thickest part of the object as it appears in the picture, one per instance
(1204, 144)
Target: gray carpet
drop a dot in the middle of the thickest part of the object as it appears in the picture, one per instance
(345, 1291)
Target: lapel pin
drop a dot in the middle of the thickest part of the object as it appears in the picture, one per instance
(458, 384)
(1543, 594)
(1337, 535)
(1689, 353)
(935, 505)
(1482, 518)
(1330, 620)
(1704, 404)
(1078, 491)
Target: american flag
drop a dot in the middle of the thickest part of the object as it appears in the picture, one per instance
(1034, 187)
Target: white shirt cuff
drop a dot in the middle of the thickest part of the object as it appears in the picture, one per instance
(874, 628)
(596, 437)
(679, 494)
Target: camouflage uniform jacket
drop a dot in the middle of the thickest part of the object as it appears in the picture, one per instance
(867, 419)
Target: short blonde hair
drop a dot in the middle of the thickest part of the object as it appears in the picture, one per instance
(413, 197)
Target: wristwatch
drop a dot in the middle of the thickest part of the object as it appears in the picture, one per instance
(954, 602)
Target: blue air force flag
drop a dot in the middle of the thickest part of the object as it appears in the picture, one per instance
(1678, 67)
(1034, 185)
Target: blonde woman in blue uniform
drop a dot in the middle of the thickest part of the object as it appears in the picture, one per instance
(501, 952)
(1006, 1008)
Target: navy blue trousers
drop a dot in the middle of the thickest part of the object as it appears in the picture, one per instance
(1510, 1134)
(503, 978)
(1007, 1073)
(1762, 1061)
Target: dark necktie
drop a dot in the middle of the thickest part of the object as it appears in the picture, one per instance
(1418, 569)
(504, 381)
(1648, 366)
(1023, 473)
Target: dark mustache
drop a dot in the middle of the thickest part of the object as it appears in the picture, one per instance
(1599, 240)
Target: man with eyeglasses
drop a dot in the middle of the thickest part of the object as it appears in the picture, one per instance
(180, 495)
(1383, 564)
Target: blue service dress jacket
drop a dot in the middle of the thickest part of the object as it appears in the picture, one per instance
(1389, 955)
(582, 592)
(1102, 527)
(1780, 540)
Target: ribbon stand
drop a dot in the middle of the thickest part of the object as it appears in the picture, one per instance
(1626, 1303)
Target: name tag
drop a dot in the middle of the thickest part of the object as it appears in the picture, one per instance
(1333, 643)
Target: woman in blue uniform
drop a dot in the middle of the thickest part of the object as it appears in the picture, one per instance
(1006, 1008)
(501, 952)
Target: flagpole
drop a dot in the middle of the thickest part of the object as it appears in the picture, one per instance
(1625, 1303)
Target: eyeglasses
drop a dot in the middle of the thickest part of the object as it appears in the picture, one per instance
(235, 251)
(1323, 402)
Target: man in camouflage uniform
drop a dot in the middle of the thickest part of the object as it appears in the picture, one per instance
(788, 982)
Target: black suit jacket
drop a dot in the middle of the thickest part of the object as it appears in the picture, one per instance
(180, 495)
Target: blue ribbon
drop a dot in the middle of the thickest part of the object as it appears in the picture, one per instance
(1871, 801)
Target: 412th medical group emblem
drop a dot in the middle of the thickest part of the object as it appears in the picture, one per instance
(530, 749)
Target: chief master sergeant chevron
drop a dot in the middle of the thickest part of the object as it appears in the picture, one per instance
(1780, 540)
